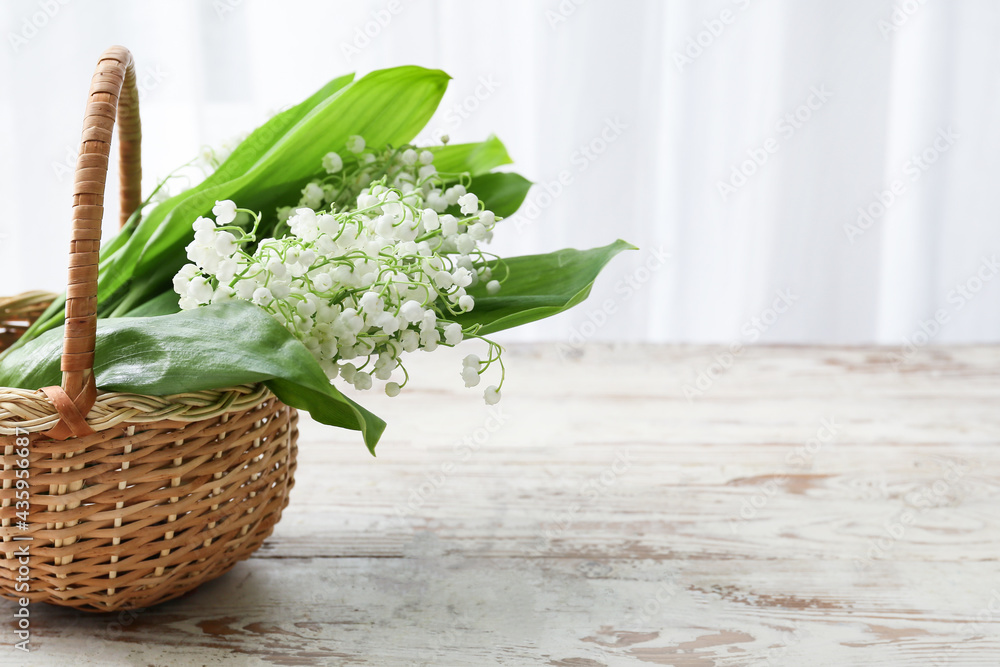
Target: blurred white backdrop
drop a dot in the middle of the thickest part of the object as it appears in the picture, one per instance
(737, 142)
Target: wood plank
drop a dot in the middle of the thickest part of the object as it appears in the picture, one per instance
(433, 609)
(812, 506)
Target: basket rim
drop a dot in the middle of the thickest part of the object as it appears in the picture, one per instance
(24, 411)
(18, 302)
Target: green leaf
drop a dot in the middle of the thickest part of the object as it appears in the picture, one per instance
(267, 135)
(317, 402)
(164, 304)
(120, 254)
(503, 193)
(117, 267)
(538, 286)
(217, 346)
(385, 107)
(472, 158)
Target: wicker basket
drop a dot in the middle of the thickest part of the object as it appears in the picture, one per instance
(128, 500)
(18, 312)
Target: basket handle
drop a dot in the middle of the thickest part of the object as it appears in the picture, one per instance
(112, 92)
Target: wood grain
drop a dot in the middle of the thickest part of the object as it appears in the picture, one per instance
(813, 506)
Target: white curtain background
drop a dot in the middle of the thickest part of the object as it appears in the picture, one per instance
(551, 77)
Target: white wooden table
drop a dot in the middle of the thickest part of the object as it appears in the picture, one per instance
(813, 506)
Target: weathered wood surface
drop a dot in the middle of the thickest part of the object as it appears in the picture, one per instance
(813, 506)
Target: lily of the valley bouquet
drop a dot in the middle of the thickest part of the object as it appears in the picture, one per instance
(317, 255)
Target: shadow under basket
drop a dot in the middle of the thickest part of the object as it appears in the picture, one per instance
(121, 501)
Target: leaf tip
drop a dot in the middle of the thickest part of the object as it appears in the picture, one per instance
(372, 437)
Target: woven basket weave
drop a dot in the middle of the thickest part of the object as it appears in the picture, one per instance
(18, 312)
(128, 500)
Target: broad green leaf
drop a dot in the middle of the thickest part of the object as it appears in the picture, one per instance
(56, 310)
(117, 267)
(164, 304)
(148, 284)
(124, 234)
(385, 107)
(538, 286)
(316, 400)
(503, 193)
(120, 254)
(472, 158)
(217, 346)
(267, 135)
